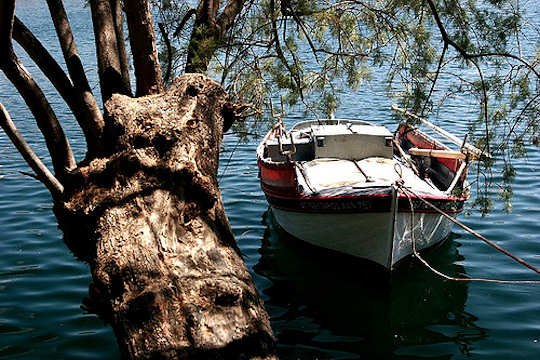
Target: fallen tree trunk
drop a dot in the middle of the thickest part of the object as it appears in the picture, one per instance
(150, 221)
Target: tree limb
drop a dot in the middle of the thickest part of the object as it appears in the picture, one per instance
(203, 41)
(88, 113)
(167, 76)
(279, 51)
(229, 13)
(185, 19)
(109, 67)
(507, 55)
(466, 56)
(142, 39)
(463, 52)
(116, 7)
(43, 174)
(301, 25)
(439, 67)
(56, 140)
(7, 11)
(84, 113)
(484, 102)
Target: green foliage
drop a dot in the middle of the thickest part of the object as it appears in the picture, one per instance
(307, 51)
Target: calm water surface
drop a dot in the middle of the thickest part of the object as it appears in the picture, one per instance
(322, 306)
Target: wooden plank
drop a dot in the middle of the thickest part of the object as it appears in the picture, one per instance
(471, 149)
(446, 154)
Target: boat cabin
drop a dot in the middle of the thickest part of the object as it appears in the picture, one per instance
(339, 139)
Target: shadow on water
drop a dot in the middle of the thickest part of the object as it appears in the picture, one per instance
(321, 301)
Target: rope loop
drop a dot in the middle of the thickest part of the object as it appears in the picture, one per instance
(408, 192)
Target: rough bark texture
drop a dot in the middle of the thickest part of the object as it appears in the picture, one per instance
(150, 221)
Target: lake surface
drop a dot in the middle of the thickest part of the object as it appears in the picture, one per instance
(322, 306)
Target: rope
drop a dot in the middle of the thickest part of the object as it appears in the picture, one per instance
(229, 160)
(408, 192)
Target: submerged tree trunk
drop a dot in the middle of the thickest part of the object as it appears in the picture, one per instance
(149, 219)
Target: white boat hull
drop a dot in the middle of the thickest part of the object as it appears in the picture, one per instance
(350, 186)
(375, 236)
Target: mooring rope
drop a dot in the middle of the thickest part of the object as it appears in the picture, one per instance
(408, 193)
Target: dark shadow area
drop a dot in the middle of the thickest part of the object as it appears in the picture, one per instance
(327, 305)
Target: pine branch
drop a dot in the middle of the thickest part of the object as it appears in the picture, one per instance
(463, 52)
(185, 19)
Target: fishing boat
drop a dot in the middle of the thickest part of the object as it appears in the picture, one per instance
(356, 188)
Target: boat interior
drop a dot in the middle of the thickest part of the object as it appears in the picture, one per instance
(353, 154)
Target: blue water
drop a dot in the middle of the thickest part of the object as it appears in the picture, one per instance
(322, 306)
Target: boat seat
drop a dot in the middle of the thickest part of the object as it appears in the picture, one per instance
(321, 174)
(330, 173)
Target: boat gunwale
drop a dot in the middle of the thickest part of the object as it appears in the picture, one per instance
(268, 188)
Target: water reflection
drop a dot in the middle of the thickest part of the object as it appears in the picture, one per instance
(321, 301)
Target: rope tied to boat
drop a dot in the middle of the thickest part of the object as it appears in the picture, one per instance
(408, 192)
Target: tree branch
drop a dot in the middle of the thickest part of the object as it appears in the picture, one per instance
(7, 11)
(43, 174)
(463, 52)
(167, 76)
(279, 51)
(185, 19)
(507, 55)
(204, 37)
(118, 20)
(57, 143)
(439, 67)
(300, 23)
(110, 69)
(472, 58)
(229, 13)
(142, 39)
(84, 114)
(484, 102)
(87, 113)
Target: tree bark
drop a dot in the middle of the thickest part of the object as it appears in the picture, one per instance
(150, 221)
(142, 39)
(109, 63)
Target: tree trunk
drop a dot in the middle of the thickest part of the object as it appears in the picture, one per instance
(142, 39)
(111, 79)
(149, 219)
